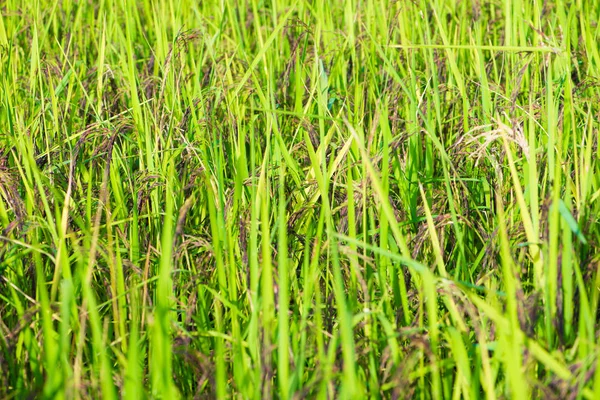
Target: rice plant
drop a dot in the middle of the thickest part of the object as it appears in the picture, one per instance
(299, 199)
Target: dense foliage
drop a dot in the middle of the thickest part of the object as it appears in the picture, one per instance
(293, 199)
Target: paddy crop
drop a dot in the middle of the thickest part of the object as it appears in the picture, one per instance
(290, 199)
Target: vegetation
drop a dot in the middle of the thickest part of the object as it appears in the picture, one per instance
(291, 199)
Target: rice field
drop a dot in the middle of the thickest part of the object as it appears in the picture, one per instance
(299, 199)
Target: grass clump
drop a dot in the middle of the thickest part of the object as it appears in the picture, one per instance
(299, 199)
